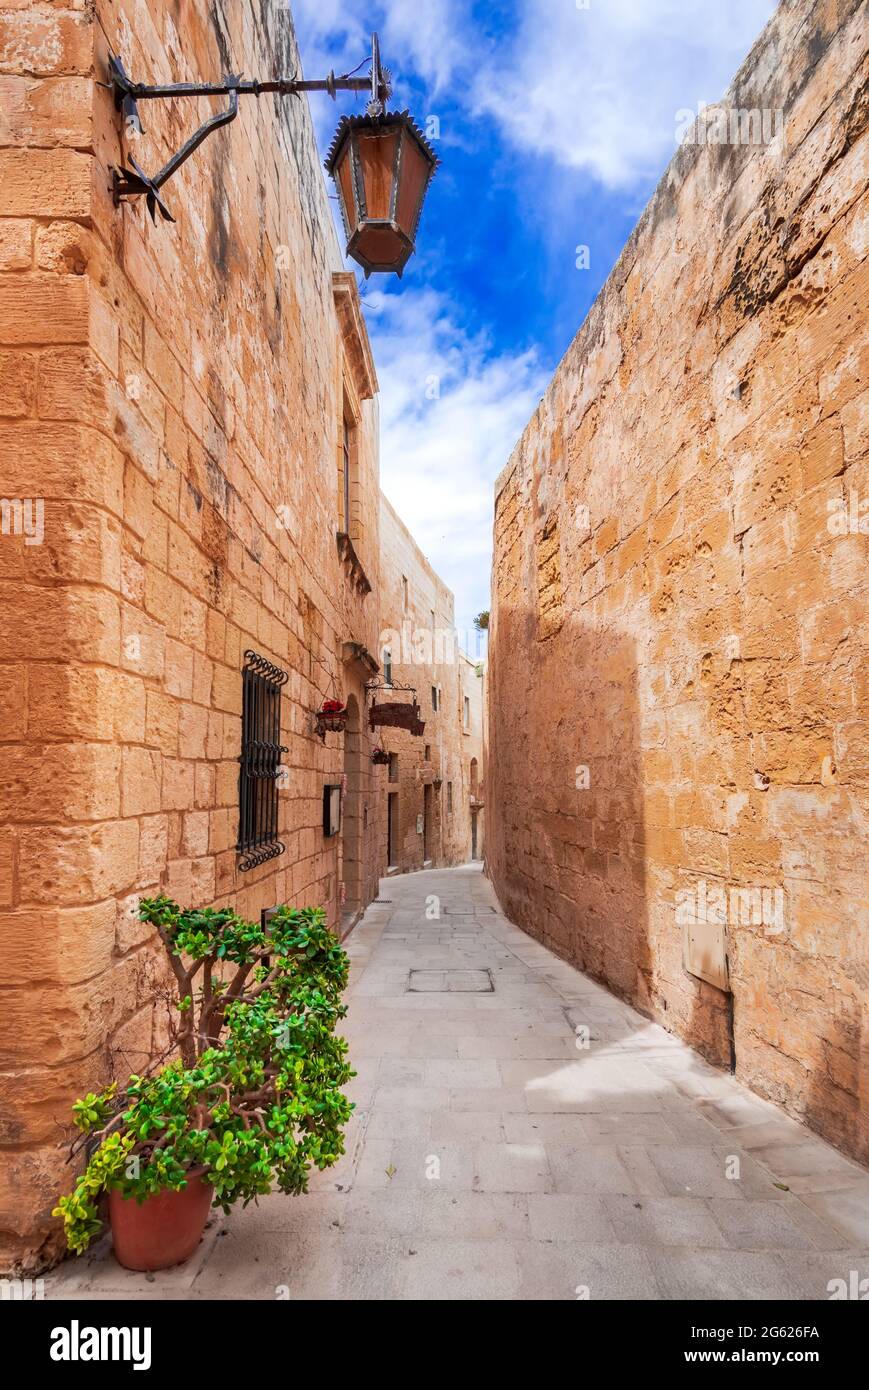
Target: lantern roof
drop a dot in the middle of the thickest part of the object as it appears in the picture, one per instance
(348, 124)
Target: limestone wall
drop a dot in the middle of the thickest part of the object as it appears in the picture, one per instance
(679, 636)
(173, 396)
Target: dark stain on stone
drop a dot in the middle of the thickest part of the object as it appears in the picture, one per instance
(213, 584)
(215, 537)
(816, 46)
(221, 33)
(194, 493)
(219, 239)
(274, 327)
(219, 486)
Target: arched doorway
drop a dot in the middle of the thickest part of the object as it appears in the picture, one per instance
(351, 820)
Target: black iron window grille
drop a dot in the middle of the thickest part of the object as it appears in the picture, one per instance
(260, 761)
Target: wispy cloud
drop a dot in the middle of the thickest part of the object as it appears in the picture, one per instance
(597, 89)
(452, 409)
(428, 40)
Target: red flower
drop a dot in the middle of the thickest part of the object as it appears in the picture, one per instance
(333, 706)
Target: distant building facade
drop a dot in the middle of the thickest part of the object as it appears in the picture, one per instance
(428, 815)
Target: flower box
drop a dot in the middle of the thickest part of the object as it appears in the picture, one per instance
(332, 717)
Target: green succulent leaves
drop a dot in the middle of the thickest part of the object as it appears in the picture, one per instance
(254, 1095)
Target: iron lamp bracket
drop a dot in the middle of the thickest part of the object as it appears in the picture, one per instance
(131, 181)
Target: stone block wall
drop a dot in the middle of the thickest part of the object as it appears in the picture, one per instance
(678, 653)
(418, 633)
(172, 399)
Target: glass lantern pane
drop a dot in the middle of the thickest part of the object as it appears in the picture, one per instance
(415, 169)
(344, 180)
(377, 160)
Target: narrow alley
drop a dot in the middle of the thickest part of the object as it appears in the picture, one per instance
(521, 1133)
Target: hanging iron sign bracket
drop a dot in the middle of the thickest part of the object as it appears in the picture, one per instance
(371, 686)
(401, 714)
(131, 181)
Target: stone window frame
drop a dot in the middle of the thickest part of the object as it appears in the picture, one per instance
(357, 383)
(348, 468)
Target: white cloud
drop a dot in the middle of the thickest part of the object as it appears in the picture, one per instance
(594, 89)
(592, 92)
(598, 89)
(429, 39)
(440, 454)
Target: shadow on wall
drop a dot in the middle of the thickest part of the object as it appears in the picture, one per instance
(838, 1106)
(569, 850)
(799, 991)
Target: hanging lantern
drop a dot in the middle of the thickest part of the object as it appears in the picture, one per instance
(382, 167)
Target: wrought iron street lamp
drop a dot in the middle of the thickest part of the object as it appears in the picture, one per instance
(382, 165)
(381, 162)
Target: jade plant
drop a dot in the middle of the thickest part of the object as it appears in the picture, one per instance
(248, 1089)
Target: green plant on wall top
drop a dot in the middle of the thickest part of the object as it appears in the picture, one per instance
(252, 1093)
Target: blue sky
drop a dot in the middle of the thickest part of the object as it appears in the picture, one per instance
(557, 119)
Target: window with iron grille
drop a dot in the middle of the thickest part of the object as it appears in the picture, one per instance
(260, 761)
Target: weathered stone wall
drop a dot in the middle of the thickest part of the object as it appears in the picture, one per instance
(472, 687)
(418, 630)
(173, 395)
(679, 638)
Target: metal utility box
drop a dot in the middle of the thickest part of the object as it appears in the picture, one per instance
(704, 952)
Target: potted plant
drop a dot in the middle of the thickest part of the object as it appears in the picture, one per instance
(332, 716)
(380, 757)
(245, 1097)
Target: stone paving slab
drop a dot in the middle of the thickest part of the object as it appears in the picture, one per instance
(490, 1156)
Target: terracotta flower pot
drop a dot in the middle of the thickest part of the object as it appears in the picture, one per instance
(164, 1230)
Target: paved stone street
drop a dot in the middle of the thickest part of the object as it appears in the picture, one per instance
(490, 1157)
